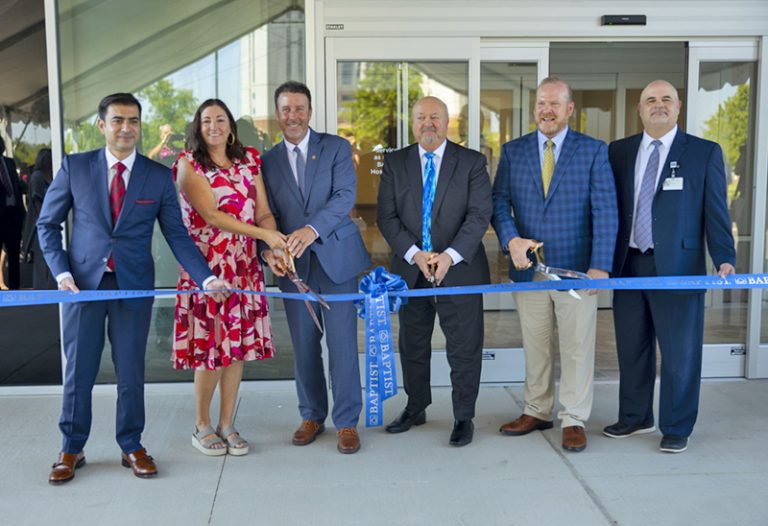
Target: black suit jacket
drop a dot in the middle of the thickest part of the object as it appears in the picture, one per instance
(17, 212)
(461, 211)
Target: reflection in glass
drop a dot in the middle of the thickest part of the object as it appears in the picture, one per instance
(506, 92)
(594, 113)
(725, 114)
(261, 46)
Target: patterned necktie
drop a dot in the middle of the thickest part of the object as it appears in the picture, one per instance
(548, 166)
(643, 215)
(426, 205)
(116, 198)
(300, 169)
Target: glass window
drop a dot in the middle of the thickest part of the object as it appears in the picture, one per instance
(607, 78)
(507, 92)
(262, 46)
(725, 109)
(31, 352)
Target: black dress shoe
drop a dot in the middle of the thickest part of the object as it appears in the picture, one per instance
(673, 444)
(622, 430)
(462, 432)
(405, 421)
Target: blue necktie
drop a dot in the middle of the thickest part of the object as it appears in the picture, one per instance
(643, 215)
(427, 200)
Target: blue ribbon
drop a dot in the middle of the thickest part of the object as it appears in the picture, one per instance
(380, 369)
(373, 302)
(17, 298)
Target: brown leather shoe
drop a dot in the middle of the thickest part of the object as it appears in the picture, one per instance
(574, 439)
(307, 432)
(524, 425)
(349, 440)
(141, 463)
(65, 466)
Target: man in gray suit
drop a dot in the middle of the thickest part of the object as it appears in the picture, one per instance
(434, 207)
(311, 182)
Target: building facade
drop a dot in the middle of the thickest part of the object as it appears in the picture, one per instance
(367, 61)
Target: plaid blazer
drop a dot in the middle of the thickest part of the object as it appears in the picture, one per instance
(578, 220)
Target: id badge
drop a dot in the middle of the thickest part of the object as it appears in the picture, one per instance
(673, 183)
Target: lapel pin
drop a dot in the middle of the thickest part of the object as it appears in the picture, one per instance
(314, 156)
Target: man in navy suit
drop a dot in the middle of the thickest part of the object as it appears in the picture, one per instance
(311, 182)
(554, 187)
(457, 180)
(11, 216)
(661, 233)
(115, 196)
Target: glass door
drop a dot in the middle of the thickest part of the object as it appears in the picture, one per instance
(371, 86)
(722, 87)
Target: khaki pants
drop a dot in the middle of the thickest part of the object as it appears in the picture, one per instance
(576, 322)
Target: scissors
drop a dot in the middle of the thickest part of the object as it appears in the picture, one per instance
(555, 273)
(287, 265)
(432, 270)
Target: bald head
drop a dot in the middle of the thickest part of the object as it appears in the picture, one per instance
(659, 108)
(430, 122)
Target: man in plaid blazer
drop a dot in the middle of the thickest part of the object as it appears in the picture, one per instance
(555, 187)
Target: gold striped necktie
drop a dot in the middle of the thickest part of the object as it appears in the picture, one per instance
(548, 167)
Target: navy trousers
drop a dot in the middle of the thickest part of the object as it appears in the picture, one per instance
(127, 324)
(676, 319)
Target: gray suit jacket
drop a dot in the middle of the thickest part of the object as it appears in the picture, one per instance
(331, 186)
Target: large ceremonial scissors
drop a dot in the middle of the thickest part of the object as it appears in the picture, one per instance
(555, 273)
(287, 265)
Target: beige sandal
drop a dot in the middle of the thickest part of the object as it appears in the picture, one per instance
(206, 439)
(236, 445)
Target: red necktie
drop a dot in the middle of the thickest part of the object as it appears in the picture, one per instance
(116, 198)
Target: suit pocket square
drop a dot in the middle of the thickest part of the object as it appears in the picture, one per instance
(145, 201)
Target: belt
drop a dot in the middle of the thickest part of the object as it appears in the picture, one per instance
(638, 252)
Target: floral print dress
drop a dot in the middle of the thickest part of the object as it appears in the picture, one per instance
(209, 334)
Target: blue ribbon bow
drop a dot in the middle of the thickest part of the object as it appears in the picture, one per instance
(375, 308)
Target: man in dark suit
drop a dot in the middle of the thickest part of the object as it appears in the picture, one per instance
(554, 187)
(115, 196)
(672, 192)
(11, 216)
(434, 206)
(311, 183)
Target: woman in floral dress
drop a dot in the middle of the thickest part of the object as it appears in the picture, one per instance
(224, 206)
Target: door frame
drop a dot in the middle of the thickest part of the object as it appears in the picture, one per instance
(509, 363)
